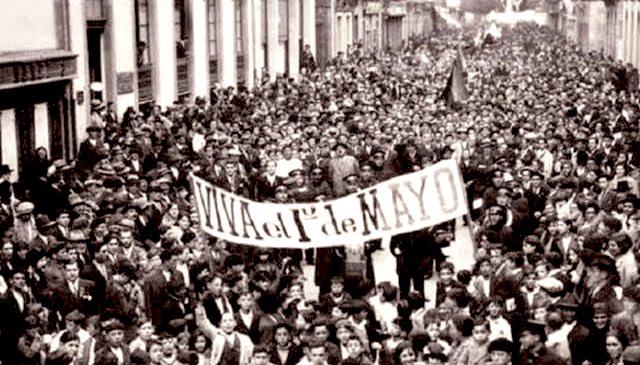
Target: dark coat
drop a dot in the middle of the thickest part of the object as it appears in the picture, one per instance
(295, 355)
(579, 344)
(540, 357)
(117, 304)
(85, 301)
(12, 325)
(252, 330)
(264, 190)
(155, 295)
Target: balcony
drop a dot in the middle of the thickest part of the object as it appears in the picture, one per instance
(94, 11)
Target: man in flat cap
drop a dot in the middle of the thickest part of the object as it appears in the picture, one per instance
(532, 348)
(602, 275)
(25, 229)
(501, 351)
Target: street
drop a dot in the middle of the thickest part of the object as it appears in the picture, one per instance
(460, 253)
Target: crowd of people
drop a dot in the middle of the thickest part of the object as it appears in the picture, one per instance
(103, 261)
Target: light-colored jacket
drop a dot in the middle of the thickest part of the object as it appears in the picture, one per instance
(218, 339)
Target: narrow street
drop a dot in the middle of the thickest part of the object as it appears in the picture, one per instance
(460, 252)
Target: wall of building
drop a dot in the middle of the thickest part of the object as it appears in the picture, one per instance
(630, 24)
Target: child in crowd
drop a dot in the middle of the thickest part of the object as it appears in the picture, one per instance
(145, 333)
(499, 327)
(474, 349)
(445, 281)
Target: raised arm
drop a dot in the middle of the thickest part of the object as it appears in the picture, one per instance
(204, 323)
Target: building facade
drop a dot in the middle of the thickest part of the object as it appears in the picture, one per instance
(211, 43)
(64, 54)
(373, 24)
(610, 26)
(40, 77)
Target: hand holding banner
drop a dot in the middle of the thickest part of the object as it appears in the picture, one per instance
(403, 204)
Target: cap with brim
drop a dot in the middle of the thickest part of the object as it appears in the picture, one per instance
(351, 178)
(75, 200)
(281, 189)
(534, 328)
(59, 163)
(24, 208)
(55, 246)
(114, 325)
(94, 128)
(164, 180)
(604, 263)
(569, 301)
(90, 182)
(43, 221)
(127, 223)
(5, 169)
(501, 344)
(340, 144)
(76, 235)
(75, 316)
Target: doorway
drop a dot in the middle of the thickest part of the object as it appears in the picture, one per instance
(94, 45)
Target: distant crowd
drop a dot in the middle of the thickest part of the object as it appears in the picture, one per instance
(103, 261)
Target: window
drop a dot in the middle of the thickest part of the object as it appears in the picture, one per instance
(142, 32)
(212, 20)
(180, 30)
(356, 30)
(238, 27)
(283, 19)
(265, 21)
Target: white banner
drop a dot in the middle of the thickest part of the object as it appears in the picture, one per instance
(403, 204)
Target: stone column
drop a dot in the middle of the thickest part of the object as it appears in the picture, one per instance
(164, 51)
(78, 44)
(309, 24)
(272, 37)
(248, 41)
(227, 43)
(199, 47)
(294, 38)
(257, 31)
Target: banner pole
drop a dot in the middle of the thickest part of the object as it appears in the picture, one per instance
(470, 222)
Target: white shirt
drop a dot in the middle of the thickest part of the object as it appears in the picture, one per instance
(20, 299)
(284, 167)
(184, 269)
(83, 336)
(119, 354)
(74, 286)
(246, 318)
(499, 327)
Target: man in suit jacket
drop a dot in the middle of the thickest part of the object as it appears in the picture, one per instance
(265, 186)
(13, 306)
(215, 302)
(114, 344)
(155, 288)
(215, 255)
(248, 317)
(75, 293)
(99, 271)
(89, 152)
(577, 334)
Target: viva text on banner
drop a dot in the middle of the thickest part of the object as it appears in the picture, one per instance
(403, 204)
